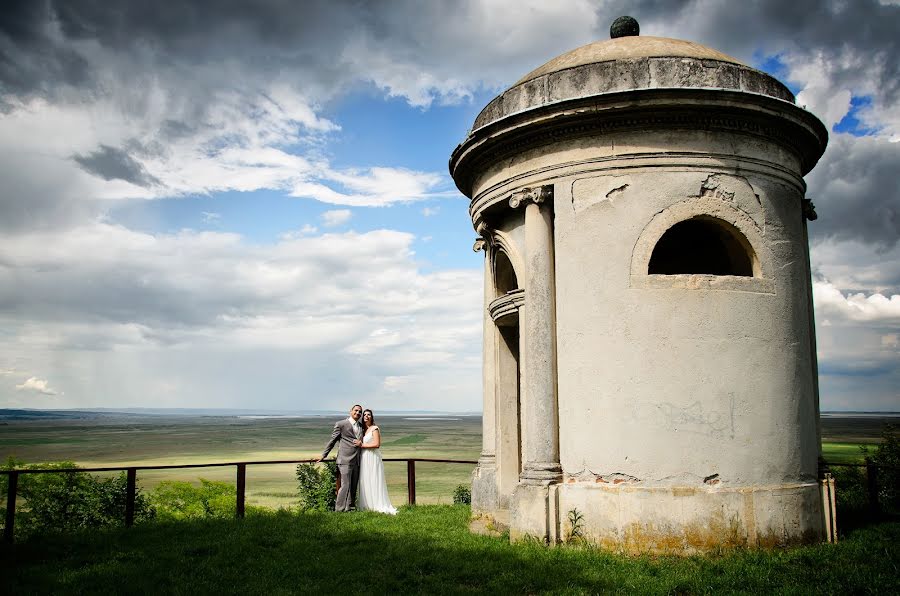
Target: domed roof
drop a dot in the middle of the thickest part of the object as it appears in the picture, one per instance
(635, 83)
(628, 48)
(630, 63)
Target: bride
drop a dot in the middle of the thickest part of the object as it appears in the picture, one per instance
(373, 494)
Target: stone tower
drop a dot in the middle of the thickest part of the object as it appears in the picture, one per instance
(649, 348)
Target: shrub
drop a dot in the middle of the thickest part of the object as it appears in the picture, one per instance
(462, 495)
(183, 500)
(851, 498)
(71, 500)
(316, 485)
(887, 454)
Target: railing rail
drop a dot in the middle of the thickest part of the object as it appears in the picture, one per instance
(871, 481)
(241, 479)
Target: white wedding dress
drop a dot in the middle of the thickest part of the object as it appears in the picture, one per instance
(373, 493)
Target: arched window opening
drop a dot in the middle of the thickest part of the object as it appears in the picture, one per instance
(504, 274)
(702, 245)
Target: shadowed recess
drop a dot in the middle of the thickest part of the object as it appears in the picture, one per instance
(706, 246)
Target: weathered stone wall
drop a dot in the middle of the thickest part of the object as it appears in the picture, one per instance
(683, 413)
(684, 401)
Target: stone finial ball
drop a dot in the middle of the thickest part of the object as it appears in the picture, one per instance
(624, 27)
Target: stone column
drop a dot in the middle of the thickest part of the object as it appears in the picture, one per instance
(540, 451)
(484, 478)
(809, 214)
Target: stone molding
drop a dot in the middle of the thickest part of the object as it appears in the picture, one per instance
(541, 473)
(612, 76)
(506, 305)
(714, 208)
(713, 163)
(649, 109)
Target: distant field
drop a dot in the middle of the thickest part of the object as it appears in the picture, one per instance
(145, 440)
(142, 440)
(843, 437)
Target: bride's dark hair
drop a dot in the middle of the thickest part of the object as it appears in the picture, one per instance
(371, 417)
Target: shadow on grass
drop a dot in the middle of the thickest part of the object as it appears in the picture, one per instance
(421, 550)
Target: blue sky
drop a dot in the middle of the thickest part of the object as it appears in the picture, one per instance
(216, 207)
(371, 125)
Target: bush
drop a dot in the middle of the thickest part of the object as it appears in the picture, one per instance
(887, 454)
(462, 495)
(851, 483)
(317, 486)
(70, 500)
(851, 498)
(182, 500)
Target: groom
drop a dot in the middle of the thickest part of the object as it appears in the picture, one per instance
(349, 432)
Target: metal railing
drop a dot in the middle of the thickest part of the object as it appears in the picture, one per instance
(241, 478)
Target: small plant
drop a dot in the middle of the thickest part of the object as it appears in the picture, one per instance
(575, 532)
(462, 495)
(532, 540)
(317, 486)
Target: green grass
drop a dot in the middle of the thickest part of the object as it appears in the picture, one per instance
(422, 550)
(844, 453)
(408, 440)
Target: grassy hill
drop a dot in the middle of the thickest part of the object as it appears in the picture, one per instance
(422, 550)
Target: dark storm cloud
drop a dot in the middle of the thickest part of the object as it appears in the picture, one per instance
(275, 34)
(858, 35)
(855, 190)
(200, 47)
(198, 27)
(36, 37)
(110, 163)
(30, 59)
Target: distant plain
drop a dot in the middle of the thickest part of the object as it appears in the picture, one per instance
(123, 440)
(130, 439)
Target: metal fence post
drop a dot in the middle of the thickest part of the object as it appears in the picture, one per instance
(130, 492)
(872, 483)
(241, 486)
(10, 507)
(411, 481)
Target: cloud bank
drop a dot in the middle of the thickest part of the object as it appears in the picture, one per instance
(103, 106)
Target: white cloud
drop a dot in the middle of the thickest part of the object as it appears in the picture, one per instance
(36, 385)
(875, 308)
(372, 187)
(211, 312)
(336, 217)
(429, 211)
(306, 230)
(819, 94)
(394, 384)
(210, 217)
(130, 108)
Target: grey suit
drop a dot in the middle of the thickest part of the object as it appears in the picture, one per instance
(348, 457)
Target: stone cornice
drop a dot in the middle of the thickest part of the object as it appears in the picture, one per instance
(492, 196)
(650, 109)
(612, 76)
